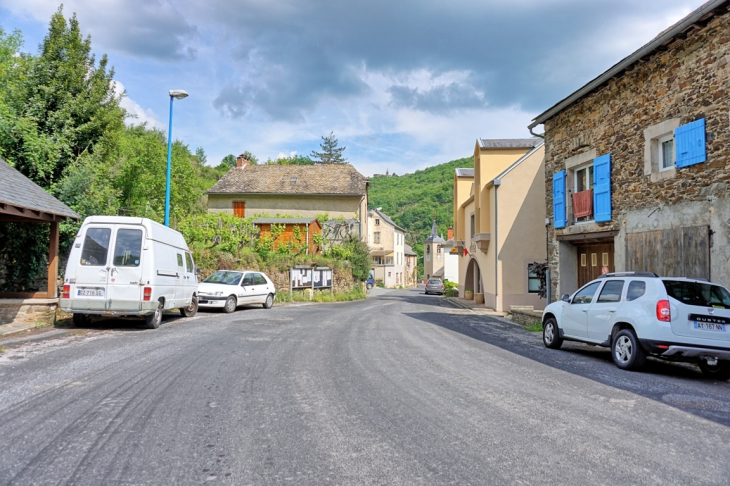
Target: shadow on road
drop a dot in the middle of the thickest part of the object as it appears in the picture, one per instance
(676, 384)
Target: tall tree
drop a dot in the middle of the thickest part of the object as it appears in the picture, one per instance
(331, 153)
(229, 160)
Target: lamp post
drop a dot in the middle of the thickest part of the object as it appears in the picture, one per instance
(174, 94)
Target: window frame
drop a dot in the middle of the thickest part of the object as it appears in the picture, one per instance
(376, 237)
(660, 152)
(530, 277)
(620, 293)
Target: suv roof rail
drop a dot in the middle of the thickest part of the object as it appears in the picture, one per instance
(629, 274)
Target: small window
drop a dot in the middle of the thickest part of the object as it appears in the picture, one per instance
(585, 295)
(611, 292)
(259, 279)
(584, 179)
(189, 263)
(594, 260)
(583, 260)
(604, 259)
(666, 152)
(239, 209)
(247, 280)
(96, 246)
(388, 274)
(533, 281)
(179, 260)
(377, 222)
(376, 237)
(472, 225)
(637, 289)
(128, 248)
(438, 250)
(428, 249)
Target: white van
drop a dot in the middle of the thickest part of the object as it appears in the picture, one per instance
(121, 266)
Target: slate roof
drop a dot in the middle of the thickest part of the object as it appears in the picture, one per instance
(409, 251)
(19, 191)
(434, 237)
(508, 143)
(320, 179)
(386, 218)
(464, 172)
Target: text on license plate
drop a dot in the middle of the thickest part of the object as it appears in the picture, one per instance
(90, 292)
(709, 326)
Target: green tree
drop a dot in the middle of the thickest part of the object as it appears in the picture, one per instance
(331, 153)
(229, 160)
(200, 154)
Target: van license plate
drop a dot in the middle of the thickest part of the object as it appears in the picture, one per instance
(90, 292)
(709, 326)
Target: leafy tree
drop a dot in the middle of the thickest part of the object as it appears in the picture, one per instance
(252, 159)
(229, 160)
(200, 154)
(331, 153)
(293, 160)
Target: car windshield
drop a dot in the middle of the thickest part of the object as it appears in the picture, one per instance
(697, 293)
(225, 278)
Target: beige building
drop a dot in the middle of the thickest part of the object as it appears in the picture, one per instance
(411, 267)
(387, 242)
(499, 222)
(292, 190)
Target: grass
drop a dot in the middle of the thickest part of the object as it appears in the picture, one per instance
(321, 296)
(536, 326)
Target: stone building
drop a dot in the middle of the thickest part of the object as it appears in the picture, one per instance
(387, 242)
(433, 254)
(637, 165)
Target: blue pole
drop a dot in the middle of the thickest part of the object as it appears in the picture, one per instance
(169, 159)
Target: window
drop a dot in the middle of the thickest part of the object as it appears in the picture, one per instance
(128, 248)
(637, 288)
(533, 281)
(376, 237)
(259, 279)
(583, 261)
(428, 249)
(224, 277)
(611, 292)
(700, 294)
(585, 295)
(179, 260)
(377, 222)
(239, 209)
(189, 263)
(96, 246)
(472, 226)
(388, 274)
(247, 280)
(584, 179)
(438, 249)
(666, 152)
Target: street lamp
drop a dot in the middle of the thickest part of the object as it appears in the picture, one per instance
(174, 94)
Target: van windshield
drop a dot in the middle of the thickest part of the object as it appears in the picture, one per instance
(225, 278)
(696, 293)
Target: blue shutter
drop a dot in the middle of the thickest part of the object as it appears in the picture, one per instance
(559, 199)
(602, 188)
(689, 143)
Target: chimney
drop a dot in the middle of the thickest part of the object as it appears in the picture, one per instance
(242, 161)
(450, 233)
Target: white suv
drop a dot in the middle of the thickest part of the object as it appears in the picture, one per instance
(638, 313)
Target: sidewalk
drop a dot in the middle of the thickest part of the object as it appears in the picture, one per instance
(478, 308)
(15, 327)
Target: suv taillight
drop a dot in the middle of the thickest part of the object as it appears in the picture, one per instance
(147, 293)
(663, 312)
(66, 292)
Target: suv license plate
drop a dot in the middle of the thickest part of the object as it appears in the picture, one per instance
(709, 326)
(90, 292)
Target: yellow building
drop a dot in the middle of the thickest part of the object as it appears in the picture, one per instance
(499, 223)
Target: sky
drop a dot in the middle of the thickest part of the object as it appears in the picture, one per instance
(403, 84)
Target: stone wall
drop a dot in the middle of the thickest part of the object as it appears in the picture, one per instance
(32, 311)
(526, 317)
(687, 81)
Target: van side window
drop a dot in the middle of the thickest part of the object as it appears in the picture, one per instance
(128, 248)
(188, 263)
(637, 288)
(247, 280)
(96, 246)
(179, 260)
(259, 279)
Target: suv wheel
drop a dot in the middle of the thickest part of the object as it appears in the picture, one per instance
(551, 334)
(720, 371)
(626, 351)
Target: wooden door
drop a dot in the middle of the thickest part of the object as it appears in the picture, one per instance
(676, 252)
(591, 261)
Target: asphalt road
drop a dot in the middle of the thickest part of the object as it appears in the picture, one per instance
(399, 389)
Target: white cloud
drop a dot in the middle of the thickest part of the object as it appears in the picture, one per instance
(138, 115)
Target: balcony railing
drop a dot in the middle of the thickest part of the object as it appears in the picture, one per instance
(583, 204)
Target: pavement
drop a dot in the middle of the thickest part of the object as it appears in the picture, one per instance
(401, 388)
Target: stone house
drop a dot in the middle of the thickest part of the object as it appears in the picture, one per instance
(387, 242)
(411, 266)
(439, 259)
(498, 222)
(637, 161)
(303, 191)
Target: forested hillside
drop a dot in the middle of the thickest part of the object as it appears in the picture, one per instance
(413, 200)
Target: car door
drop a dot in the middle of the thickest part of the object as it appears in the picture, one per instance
(125, 271)
(574, 320)
(180, 288)
(247, 291)
(262, 288)
(602, 313)
(190, 281)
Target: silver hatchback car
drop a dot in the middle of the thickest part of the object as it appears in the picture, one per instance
(435, 286)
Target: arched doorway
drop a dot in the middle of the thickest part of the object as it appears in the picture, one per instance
(473, 278)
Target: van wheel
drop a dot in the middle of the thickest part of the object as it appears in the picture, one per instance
(627, 352)
(720, 371)
(153, 320)
(81, 320)
(192, 309)
(269, 303)
(231, 304)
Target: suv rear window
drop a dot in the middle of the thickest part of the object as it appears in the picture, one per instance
(434, 282)
(696, 293)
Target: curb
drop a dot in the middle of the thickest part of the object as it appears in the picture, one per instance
(56, 333)
(458, 304)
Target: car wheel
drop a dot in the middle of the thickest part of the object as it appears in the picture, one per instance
(551, 334)
(192, 309)
(231, 304)
(269, 302)
(369, 286)
(626, 351)
(720, 371)
(153, 320)
(81, 320)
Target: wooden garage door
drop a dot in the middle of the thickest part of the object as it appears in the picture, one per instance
(679, 252)
(591, 261)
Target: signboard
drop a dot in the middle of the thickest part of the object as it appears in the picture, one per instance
(310, 278)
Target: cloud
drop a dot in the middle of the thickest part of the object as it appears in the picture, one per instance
(137, 114)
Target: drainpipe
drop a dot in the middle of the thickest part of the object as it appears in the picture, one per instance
(497, 183)
(535, 134)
